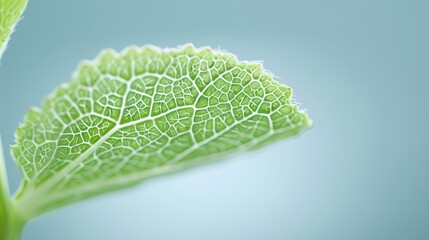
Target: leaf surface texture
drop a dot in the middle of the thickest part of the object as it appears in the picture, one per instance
(144, 112)
(10, 13)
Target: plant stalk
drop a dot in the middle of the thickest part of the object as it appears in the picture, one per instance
(10, 223)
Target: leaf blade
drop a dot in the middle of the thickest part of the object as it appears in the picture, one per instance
(142, 113)
(10, 13)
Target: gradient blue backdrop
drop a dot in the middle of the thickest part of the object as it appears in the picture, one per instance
(359, 67)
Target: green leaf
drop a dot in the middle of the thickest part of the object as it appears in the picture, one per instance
(142, 113)
(10, 13)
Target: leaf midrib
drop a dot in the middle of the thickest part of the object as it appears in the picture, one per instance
(136, 176)
(118, 125)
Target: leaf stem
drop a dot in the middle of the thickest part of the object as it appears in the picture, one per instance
(10, 224)
(4, 196)
(14, 227)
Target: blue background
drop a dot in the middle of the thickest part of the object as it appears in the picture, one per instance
(359, 67)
